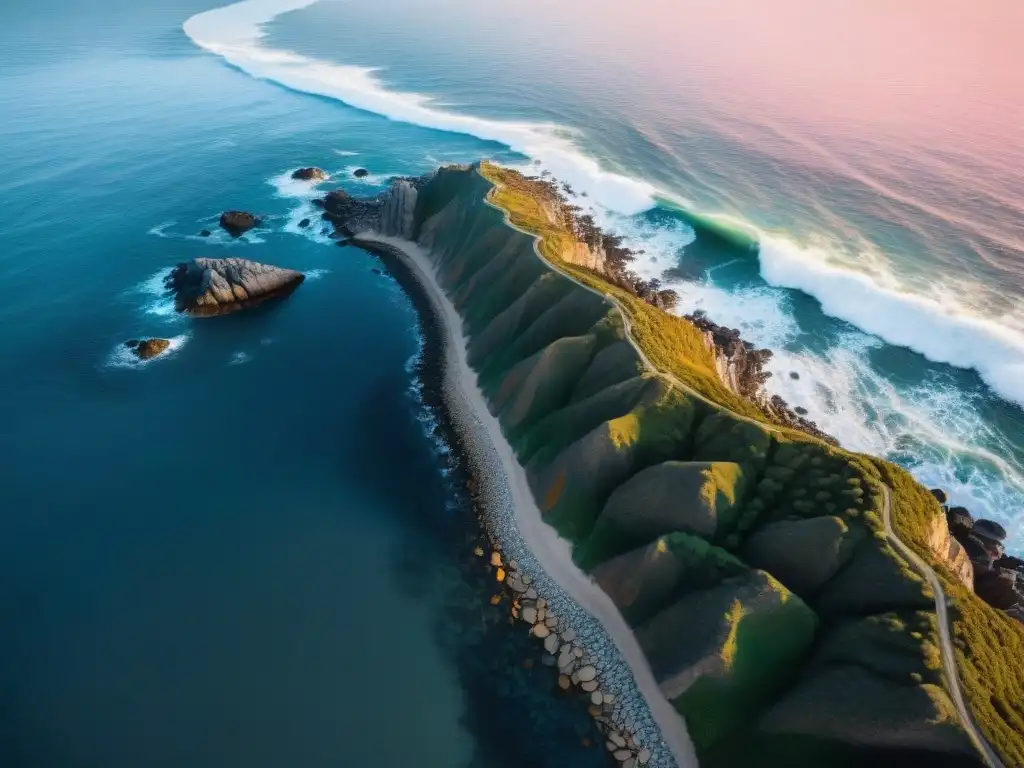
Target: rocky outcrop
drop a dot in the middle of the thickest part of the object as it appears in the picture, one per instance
(398, 209)
(206, 287)
(350, 215)
(310, 174)
(741, 367)
(147, 349)
(949, 551)
(237, 223)
(360, 173)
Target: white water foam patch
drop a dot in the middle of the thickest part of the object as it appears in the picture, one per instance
(935, 329)
(217, 236)
(235, 33)
(935, 428)
(240, 358)
(159, 302)
(303, 192)
(316, 274)
(123, 357)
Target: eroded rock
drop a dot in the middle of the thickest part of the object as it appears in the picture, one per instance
(205, 287)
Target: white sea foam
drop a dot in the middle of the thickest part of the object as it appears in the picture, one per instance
(217, 236)
(937, 330)
(235, 33)
(158, 301)
(316, 274)
(240, 358)
(122, 357)
(942, 331)
(345, 153)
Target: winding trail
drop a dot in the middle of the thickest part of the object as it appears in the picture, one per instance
(952, 674)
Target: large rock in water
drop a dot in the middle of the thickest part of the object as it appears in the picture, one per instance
(237, 223)
(310, 174)
(148, 348)
(206, 287)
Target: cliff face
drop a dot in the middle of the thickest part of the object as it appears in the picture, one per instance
(665, 497)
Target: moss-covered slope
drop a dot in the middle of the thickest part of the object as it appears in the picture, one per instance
(750, 557)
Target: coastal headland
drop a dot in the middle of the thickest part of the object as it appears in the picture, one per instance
(682, 538)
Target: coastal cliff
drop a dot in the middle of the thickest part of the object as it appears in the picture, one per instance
(749, 557)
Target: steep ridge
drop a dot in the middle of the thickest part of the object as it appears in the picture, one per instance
(671, 500)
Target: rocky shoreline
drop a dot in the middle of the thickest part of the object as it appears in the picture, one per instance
(576, 647)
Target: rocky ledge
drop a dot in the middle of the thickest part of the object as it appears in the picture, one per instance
(237, 223)
(741, 366)
(206, 287)
(975, 551)
(148, 348)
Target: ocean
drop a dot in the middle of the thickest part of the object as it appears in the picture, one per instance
(254, 550)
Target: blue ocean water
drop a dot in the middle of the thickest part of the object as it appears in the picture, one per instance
(249, 551)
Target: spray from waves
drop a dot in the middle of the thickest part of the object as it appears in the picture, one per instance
(303, 192)
(942, 331)
(158, 301)
(316, 274)
(217, 235)
(235, 32)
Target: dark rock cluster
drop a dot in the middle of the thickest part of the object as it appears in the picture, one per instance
(309, 174)
(237, 223)
(998, 577)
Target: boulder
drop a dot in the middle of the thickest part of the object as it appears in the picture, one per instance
(148, 348)
(360, 173)
(205, 287)
(939, 494)
(998, 588)
(309, 174)
(304, 223)
(960, 522)
(802, 554)
(237, 223)
(205, 233)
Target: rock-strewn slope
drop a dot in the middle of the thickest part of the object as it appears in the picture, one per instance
(741, 553)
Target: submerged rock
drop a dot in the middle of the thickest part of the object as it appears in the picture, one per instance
(205, 233)
(238, 222)
(310, 174)
(304, 223)
(206, 287)
(148, 348)
(360, 173)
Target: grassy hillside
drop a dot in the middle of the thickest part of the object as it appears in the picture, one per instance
(598, 433)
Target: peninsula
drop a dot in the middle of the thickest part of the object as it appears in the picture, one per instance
(681, 537)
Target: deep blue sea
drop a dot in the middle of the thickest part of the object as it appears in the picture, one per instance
(251, 551)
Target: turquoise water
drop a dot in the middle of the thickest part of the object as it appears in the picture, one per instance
(873, 205)
(248, 552)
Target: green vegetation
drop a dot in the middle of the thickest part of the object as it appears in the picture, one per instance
(590, 425)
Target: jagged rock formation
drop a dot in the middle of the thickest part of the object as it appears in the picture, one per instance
(147, 348)
(206, 287)
(237, 223)
(310, 174)
(398, 210)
